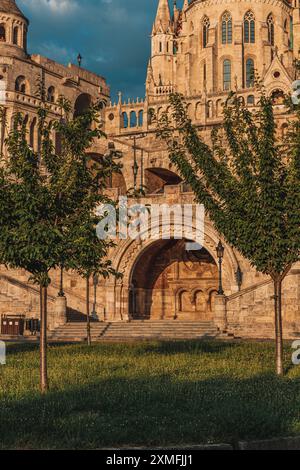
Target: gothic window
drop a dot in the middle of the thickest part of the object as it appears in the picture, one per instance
(291, 38)
(226, 28)
(205, 30)
(249, 73)
(160, 47)
(51, 94)
(2, 33)
(16, 35)
(226, 75)
(270, 24)
(204, 75)
(141, 118)
(21, 84)
(133, 119)
(124, 120)
(32, 133)
(250, 100)
(249, 27)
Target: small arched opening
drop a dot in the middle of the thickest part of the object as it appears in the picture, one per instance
(21, 84)
(82, 104)
(157, 178)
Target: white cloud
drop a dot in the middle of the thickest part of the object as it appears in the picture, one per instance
(55, 6)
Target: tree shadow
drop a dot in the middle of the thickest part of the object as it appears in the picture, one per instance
(153, 411)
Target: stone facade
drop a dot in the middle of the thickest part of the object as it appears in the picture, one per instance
(203, 50)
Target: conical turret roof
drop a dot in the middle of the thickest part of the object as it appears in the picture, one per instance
(9, 6)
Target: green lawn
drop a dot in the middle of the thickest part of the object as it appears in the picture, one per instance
(147, 394)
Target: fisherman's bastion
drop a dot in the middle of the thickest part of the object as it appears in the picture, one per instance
(203, 51)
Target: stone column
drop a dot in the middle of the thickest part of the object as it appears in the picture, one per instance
(58, 316)
(220, 317)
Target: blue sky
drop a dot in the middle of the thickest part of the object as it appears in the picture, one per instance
(111, 35)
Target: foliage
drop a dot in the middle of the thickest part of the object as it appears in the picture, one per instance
(248, 180)
(48, 197)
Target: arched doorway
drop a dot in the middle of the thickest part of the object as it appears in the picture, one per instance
(168, 282)
(82, 104)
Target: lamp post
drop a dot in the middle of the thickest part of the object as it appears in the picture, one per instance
(61, 284)
(135, 166)
(95, 284)
(220, 254)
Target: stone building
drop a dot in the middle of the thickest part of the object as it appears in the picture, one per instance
(203, 50)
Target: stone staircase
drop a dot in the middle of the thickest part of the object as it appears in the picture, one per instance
(136, 330)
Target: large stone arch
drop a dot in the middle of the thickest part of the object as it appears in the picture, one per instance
(128, 253)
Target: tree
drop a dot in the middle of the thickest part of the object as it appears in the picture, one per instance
(249, 183)
(41, 195)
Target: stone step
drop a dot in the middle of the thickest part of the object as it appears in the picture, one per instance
(136, 330)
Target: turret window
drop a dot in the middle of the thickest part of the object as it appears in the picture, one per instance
(250, 73)
(21, 84)
(205, 30)
(271, 34)
(226, 75)
(226, 28)
(16, 35)
(2, 33)
(249, 27)
(51, 94)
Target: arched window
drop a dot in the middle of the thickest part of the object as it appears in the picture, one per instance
(226, 75)
(51, 94)
(21, 84)
(2, 33)
(250, 100)
(16, 35)
(226, 28)
(133, 119)
(209, 109)
(141, 118)
(249, 73)
(82, 104)
(32, 133)
(124, 120)
(205, 30)
(249, 27)
(270, 24)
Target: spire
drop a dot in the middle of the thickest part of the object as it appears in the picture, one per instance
(163, 16)
(185, 5)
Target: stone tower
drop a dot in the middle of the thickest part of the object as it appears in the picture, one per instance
(13, 30)
(162, 47)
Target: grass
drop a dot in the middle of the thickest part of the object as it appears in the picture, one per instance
(147, 394)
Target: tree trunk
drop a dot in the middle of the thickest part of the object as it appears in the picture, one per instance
(88, 320)
(278, 324)
(43, 340)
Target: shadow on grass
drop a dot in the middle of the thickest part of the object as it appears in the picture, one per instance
(153, 411)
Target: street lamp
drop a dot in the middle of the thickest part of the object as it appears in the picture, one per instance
(95, 284)
(220, 254)
(61, 284)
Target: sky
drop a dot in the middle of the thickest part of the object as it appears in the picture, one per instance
(113, 37)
